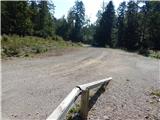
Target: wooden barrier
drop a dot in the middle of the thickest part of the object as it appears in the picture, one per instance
(84, 104)
(83, 90)
(60, 112)
(94, 84)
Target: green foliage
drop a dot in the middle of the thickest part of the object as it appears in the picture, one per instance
(88, 31)
(154, 54)
(154, 23)
(16, 18)
(131, 30)
(27, 18)
(15, 46)
(62, 28)
(156, 93)
(121, 25)
(76, 17)
(150, 53)
(104, 31)
(45, 23)
(72, 27)
(144, 52)
(72, 111)
(135, 27)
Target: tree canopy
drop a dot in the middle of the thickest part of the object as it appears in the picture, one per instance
(133, 26)
(27, 18)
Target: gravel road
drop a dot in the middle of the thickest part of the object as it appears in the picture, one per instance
(33, 87)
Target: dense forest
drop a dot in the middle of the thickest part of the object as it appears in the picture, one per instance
(133, 26)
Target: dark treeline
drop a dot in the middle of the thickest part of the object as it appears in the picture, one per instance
(27, 18)
(133, 26)
(36, 18)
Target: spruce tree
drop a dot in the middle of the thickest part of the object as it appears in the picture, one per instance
(131, 30)
(76, 19)
(104, 31)
(121, 24)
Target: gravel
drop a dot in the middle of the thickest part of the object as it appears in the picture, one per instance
(33, 87)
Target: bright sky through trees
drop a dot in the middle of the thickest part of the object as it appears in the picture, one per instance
(91, 6)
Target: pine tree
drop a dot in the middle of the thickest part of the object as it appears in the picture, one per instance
(104, 31)
(16, 18)
(34, 16)
(154, 23)
(131, 30)
(88, 31)
(62, 28)
(121, 24)
(45, 23)
(76, 18)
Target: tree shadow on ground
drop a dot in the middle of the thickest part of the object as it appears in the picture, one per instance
(93, 99)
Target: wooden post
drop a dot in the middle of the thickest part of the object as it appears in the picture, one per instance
(60, 112)
(84, 104)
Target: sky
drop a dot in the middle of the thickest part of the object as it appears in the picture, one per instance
(91, 6)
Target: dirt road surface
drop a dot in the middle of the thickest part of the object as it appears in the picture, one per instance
(33, 88)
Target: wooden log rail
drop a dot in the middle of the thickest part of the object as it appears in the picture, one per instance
(60, 112)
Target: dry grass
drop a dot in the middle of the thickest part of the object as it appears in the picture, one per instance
(15, 46)
(156, 93)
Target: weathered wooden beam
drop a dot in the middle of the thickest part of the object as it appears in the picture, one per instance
(94, 84)
(60, 112)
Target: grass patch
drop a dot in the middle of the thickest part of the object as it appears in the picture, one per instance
(154, 54)
(156, 93)
(150, 53)
(74, 113)
(16, 46)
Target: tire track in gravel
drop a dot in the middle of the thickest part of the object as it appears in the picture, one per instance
(79, 65)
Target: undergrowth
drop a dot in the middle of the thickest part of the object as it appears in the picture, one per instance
(16, 46)
(150, 53)
(74, 113)
(156, 93)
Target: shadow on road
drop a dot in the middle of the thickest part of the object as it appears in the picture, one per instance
(94, 98)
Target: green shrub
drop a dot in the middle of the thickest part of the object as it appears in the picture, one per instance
(39, 49)
(72, 112)
(156, 93)
(144, 52)
(10, 52)
(57, 38)
(155, 54)
(15, 46)
(5, 38)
